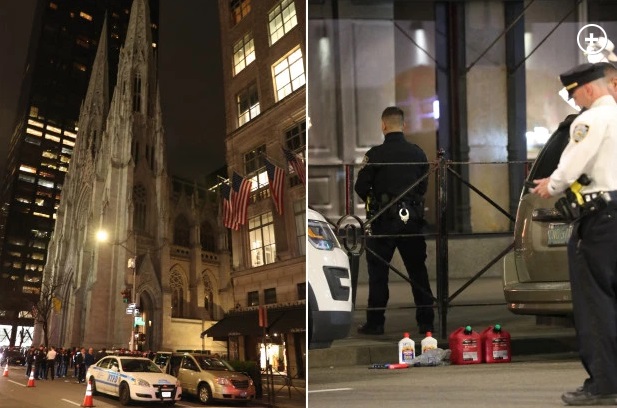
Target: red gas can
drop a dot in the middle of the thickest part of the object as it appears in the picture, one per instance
(496, 345)
(465, 346)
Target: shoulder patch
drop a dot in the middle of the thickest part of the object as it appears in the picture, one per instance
(579, 133)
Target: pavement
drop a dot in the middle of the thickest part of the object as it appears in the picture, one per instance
(286, 395)
(480, 305)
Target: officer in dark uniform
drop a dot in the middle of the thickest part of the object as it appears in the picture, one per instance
(592, 249)
(383, 177)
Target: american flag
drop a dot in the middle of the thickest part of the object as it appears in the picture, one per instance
(228, 212)
(276, 180)
(240, 198)
(296, 163)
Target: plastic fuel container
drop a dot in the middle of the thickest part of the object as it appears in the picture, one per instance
(466, 346)
(496, 343)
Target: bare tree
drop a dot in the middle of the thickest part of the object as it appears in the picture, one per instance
(50, 301)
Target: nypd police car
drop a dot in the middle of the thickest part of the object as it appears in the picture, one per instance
(133, 379)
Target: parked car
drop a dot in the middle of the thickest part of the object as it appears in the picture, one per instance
(535, 277)
(133, 379)
(209, 378)
(329, 291)
(13, 357)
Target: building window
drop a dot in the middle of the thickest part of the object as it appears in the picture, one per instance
(139, 204)
(301, 291)
(206, 237)
(252, 298)
(177, 294)
(300, 216)
(295, 138)
(137, 93)
(248, 104)
(181, 231)
(239, 9)
(261, 237)
(269, 296)
(282, 19)
(255, 168)
(289, 74)
(244, 53)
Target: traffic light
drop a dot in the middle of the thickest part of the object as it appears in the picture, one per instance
(126, 295)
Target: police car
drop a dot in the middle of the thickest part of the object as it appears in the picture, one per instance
(133, 379)
(329, 291)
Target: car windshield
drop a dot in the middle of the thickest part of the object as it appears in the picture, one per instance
(138, 365)
(212, 363)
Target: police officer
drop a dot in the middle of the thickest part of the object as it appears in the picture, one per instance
(592, 249)
(383, 177)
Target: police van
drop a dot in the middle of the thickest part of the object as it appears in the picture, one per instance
(329, 292)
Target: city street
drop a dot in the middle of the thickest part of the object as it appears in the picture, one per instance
(535, 381)
(64, 392)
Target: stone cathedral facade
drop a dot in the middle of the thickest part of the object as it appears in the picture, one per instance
(118, 182)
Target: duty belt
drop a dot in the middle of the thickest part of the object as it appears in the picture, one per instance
(607, 196)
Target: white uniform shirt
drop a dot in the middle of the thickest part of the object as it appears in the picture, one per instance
(51, 355)
(592, 150)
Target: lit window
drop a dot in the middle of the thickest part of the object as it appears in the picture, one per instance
(244, 53)
(53, 5)
(26, 314)
(26, 178)
(62, 168)
(255, 167)
(70, 134)
(282, 19)
(45, 183)
(66, 150)
(35, 123)
(239, 9)
(27, 169)
(32, 290)
(51, 137)
(85, 16)
(49, 155)
(54, 129)
(34, 111)
(22, 200)
(34, 132)
(153, 45)
(261, 237)
(65, 159)
(79, 67)
(289, 74)
(68, 142)
(38, 214)
(248, 104)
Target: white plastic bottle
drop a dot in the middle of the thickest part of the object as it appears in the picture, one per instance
(406, 349)
(428, 343)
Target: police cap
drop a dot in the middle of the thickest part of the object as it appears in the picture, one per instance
(581, 75)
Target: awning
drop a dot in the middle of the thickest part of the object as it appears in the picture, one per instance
(247, 323)
(291, 321)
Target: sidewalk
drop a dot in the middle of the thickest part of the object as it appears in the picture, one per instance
(528, 337)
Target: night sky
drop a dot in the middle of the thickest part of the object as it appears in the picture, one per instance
(190, 75)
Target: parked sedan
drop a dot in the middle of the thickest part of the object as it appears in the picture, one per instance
(133, 379)
(536, 280)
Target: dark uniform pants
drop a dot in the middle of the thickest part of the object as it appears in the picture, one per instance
(592, 256)
(413, 253)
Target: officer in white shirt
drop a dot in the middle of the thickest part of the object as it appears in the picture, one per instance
(592, 249)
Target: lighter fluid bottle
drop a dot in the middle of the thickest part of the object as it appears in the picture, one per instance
(406, 349)
(429, 342)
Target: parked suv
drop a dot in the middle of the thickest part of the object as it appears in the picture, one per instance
(208, 378)
(329, 293)
(535, 278)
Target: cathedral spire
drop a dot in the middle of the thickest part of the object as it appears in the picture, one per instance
(139, 32)
(95, 106)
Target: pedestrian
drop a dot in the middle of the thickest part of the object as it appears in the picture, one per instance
(88, 360)
(29, 360)
(66, 361)
(51, 360)
(39, 358)
(78, 360)
(592, 248)
(381, 179)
